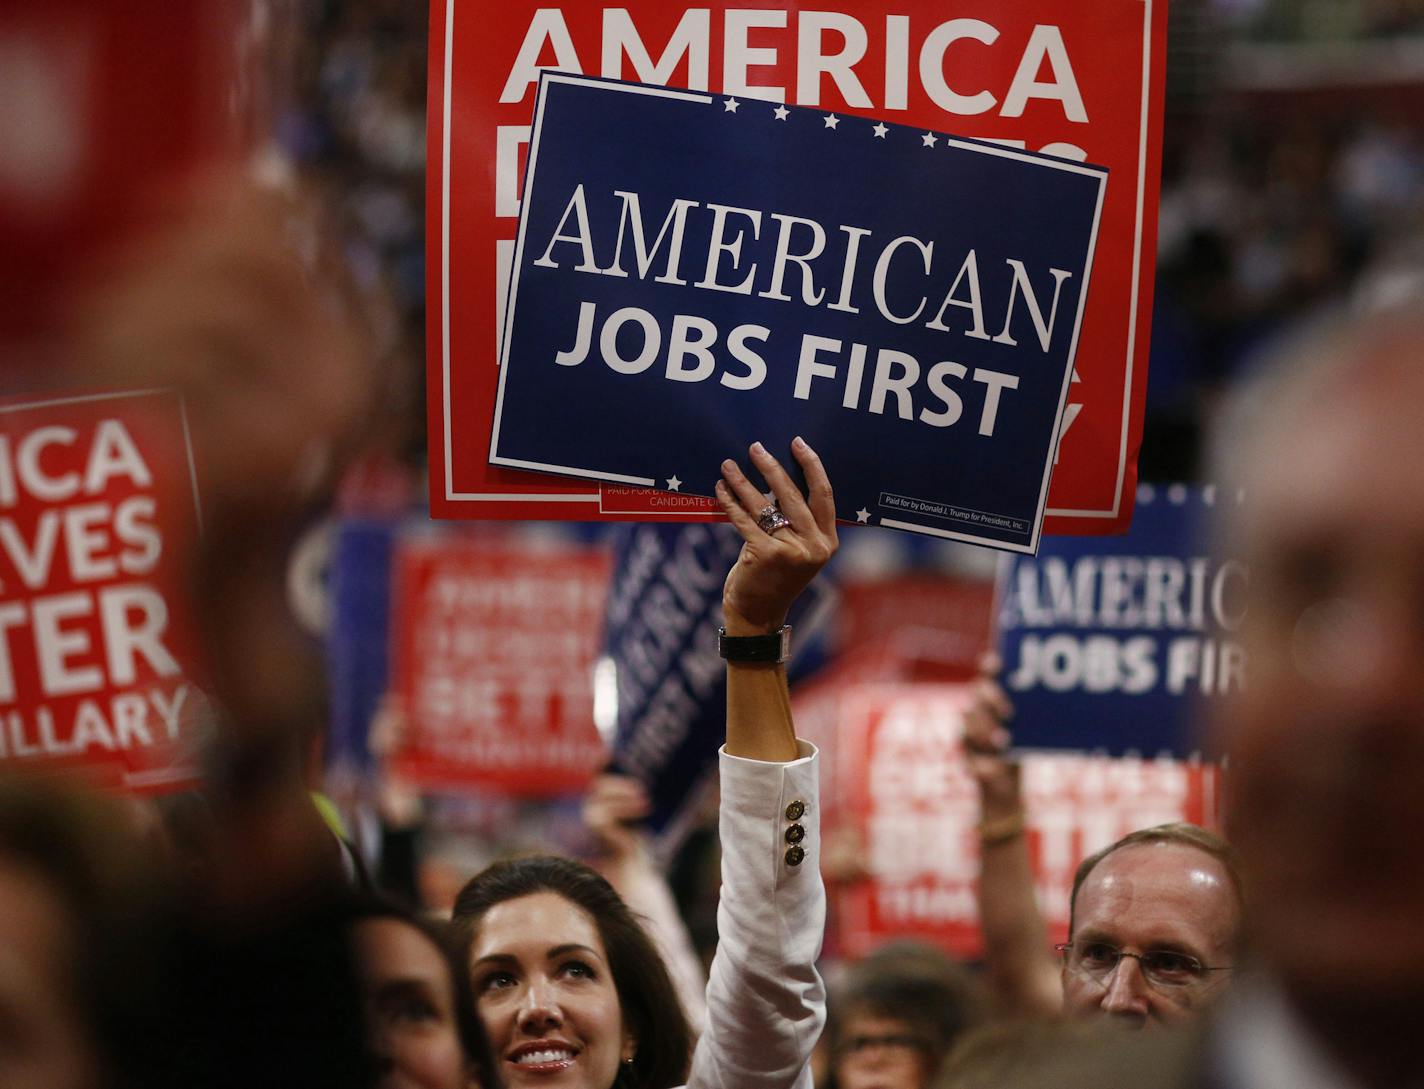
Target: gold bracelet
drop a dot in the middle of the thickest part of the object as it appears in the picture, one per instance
(1001, 830)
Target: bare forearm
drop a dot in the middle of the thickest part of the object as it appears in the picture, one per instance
(780, 556)
(1016, 952)
(759, 723)
(1020, 965)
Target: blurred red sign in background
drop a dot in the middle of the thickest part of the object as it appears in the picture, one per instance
(494, 649)
(98, 508)
(906, 795)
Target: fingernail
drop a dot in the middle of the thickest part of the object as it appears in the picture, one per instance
(799, 443)
(729, 466)
(758, 448)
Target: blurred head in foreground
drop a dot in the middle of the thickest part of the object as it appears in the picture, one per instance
(1039, 1054)
(76, 960)
(1327, 738)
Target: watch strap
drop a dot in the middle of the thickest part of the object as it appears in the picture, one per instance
(772, 648)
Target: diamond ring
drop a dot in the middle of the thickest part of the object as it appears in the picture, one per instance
(771, 519)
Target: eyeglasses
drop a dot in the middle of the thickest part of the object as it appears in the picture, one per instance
(855, 1045)
(1164, 968)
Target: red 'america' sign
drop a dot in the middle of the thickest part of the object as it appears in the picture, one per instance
(1081, 81)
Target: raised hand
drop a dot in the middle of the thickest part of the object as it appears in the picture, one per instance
(611, 808)
(986, 744)
(778, 562)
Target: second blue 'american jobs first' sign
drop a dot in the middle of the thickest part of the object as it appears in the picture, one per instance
(694, 273)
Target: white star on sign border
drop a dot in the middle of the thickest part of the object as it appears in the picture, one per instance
(674, 484)
(831, 120)
(781, 112)
(928, 139)
(880, 131)
(863, 516)
(730, 105)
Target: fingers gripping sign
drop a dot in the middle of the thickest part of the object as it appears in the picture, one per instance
(774, 567)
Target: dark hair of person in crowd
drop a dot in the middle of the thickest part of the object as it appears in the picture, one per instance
(69, 864)
(933, 998)
(1178, 832)
(646, 994)
(369, 906)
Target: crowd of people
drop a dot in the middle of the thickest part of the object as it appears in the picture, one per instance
(240, 944)
(209, 944)
(232, 936)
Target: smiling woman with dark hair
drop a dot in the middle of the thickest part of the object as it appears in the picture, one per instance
(510, 896)
(571, 990)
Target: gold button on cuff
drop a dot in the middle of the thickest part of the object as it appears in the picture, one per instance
(795, 834)
(794, 855)
(796, 810)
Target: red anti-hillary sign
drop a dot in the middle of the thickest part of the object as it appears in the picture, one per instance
(1081, 81)
(98, 506)
(493, 662)
(905, 792)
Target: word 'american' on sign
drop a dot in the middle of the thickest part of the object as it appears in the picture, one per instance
(736, 246)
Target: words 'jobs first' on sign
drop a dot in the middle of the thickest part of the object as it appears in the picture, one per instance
(690, 357)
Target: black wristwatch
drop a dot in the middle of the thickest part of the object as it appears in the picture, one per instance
(774, 648)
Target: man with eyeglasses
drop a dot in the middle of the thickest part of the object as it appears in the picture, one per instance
(1155, 918)
(1154, 927)
(1326, 739)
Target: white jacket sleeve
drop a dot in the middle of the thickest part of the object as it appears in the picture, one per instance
(766, 1003)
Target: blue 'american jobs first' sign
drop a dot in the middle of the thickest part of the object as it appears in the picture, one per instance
(694, 273)
(1121, 644)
